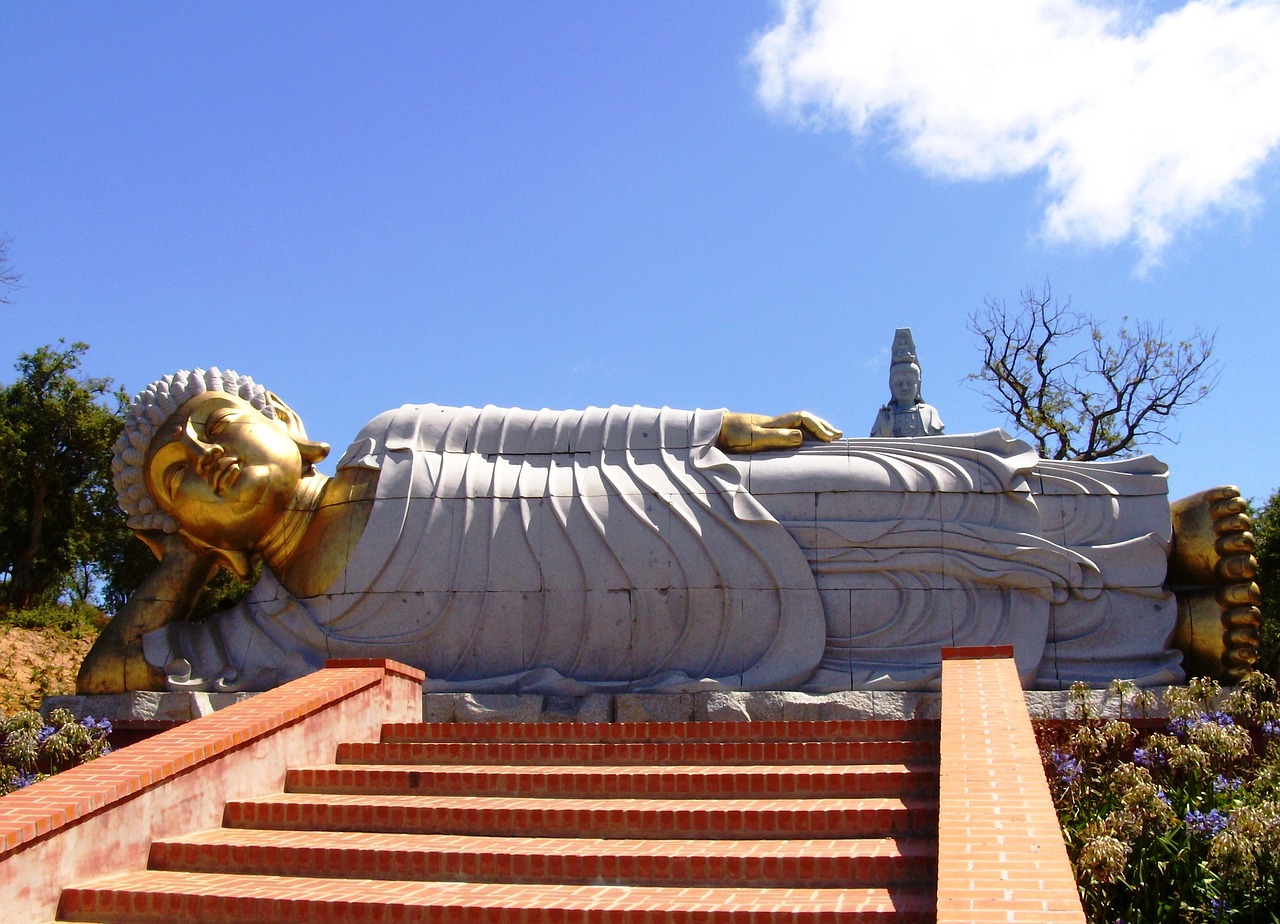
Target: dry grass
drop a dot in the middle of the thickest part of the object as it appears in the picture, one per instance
(35, 663)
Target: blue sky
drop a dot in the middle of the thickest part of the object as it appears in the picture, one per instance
(695, 204)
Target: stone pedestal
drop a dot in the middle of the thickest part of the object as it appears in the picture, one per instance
(157, 711)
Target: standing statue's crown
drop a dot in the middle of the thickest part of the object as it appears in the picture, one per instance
(904, 346)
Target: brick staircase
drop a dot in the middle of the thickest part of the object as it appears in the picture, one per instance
(825, 822)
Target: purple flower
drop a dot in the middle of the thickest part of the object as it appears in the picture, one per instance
(45, 734)
(1148, 757)
(1181, 725)
(22, 780)
(1225, 784)
(1206, 824)
(1271, 728)
(1067, 767)
(1164, 797)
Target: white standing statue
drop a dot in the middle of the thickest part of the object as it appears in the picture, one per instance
(906, 414)
(630, 549)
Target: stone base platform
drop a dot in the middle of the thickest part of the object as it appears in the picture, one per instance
(156, 711)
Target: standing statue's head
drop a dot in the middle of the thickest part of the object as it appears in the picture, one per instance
(215, 457)
(904, 384)
(904, 370)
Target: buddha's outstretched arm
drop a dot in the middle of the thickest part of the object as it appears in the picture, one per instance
(115, 663)
(760, 433)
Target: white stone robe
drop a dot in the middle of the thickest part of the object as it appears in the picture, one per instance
(548, 551)
(619, 550)
(972, 539)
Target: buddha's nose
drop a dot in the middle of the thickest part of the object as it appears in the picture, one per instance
(206, 456)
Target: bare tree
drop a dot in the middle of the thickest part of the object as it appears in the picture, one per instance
(9, 279)
(1078, 393)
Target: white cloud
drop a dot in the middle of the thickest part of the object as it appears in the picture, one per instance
(1141, 124)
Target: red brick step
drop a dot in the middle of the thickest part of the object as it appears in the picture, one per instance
(706, 782)
(629, 818)
(625, 823)
(844, 730)
(729, 753)
(775, 863)
(205, 898)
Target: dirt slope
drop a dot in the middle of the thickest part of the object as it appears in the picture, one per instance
(35, 663)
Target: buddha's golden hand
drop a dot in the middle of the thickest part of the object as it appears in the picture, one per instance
(758, 433)
(170, 546)
(1212, 570)
(116, 662)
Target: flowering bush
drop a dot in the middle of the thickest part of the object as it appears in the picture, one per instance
(1176, 825)
(30, 749)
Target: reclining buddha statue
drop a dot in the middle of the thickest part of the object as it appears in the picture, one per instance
(642, 549)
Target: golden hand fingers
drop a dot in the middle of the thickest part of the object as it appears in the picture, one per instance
(757, 433)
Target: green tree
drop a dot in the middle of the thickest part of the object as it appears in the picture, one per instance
(62, 533)
(1266, 531)
(56, 434)
(1078, 392)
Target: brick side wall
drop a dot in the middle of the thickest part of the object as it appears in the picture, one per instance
(101, 817)
(1000, 851)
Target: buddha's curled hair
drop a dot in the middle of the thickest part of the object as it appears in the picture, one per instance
(151, 408)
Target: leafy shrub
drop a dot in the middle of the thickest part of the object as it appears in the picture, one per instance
(1266, 530)
(75, 619)
(1181, 824)
(31, 750)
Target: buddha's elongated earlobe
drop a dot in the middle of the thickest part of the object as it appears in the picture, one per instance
(287, 416)
(312, 451)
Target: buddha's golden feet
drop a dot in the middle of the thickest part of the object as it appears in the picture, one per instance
(1212, 570)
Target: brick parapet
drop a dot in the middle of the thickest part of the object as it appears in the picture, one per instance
(102, 816)
(1001, 855)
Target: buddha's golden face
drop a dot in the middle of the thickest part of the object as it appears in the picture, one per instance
(224, 471)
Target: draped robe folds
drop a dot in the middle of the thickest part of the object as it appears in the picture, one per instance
(618, 549)
(555, 551)
(972, 539)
